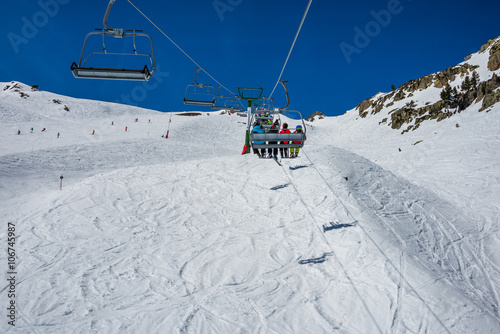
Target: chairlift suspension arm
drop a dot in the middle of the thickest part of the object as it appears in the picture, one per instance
(110, 4)
(135, 48)
(286, 92)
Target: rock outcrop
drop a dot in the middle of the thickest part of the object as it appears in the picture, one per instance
(461, 87)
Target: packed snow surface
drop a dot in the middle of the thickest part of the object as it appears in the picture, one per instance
(368, 231)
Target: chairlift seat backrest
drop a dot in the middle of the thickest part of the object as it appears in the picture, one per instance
(277, 137)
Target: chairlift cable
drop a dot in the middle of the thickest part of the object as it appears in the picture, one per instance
(184, 52)
(293, 44)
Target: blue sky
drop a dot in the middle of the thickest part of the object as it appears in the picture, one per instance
(347, 50)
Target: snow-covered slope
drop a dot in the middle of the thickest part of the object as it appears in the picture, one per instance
(185, 235)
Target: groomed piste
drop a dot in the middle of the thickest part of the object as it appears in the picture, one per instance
(185, 235)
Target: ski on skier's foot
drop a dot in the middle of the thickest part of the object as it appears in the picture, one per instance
(276, 159)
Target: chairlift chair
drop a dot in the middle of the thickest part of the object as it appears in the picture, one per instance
(81, 70)
(238, 107)
(277, 138)
(264, 105)
(199, 94)
(223, 101)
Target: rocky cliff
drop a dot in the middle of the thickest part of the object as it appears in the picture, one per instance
(437, 96)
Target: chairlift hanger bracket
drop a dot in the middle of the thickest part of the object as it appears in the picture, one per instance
(80, 70)
(283, 83)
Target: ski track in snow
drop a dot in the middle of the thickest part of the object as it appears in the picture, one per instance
(185, 235)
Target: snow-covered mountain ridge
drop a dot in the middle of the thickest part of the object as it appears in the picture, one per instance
(472, 83)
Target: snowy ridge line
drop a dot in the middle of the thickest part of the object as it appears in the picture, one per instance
(378, 247)
(332, 251)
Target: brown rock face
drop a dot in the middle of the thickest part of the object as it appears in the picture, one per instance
(494, 62)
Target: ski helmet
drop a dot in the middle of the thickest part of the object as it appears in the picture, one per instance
(285, 126)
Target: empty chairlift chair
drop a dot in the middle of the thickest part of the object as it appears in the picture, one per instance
(81, 70)
(199, 94)
(226, 102)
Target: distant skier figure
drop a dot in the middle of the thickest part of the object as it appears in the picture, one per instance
(58, 135)
(18, 132)
(93, 132)
(136, 120)
(149, 121)
(125, 128)
(112, 123)
(294, 151)
(44, 129)
(284, 150)
(31, 130)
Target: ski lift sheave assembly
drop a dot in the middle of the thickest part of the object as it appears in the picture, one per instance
(80, 70)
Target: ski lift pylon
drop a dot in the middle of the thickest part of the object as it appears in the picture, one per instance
(80, 70)
(250, 94)
(199, 94)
